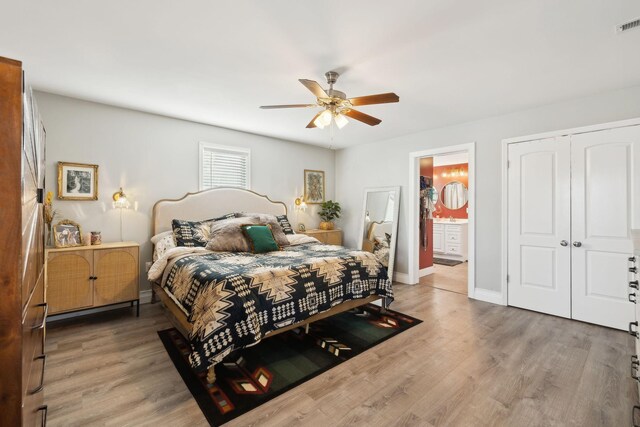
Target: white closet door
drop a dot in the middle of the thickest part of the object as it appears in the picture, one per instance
(604, 167)
(539, 254)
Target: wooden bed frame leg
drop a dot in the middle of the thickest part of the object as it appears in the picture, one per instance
(211, 375)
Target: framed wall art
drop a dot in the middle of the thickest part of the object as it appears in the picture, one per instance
(313, 187)
(77, 181)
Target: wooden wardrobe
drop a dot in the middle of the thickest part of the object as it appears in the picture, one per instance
(23, 310)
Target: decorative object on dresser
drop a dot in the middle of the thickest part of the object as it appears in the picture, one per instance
(330, 211)
(23, 312)
(313, 187)
(450, 239)
(49, 215)
(67, 233)
(77, 181)
(96, 238)
(92, 276)
(329, 237)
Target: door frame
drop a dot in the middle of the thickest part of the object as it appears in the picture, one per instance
(505, 184)
(414, 206)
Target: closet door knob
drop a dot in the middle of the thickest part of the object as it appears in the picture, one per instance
(577, 244)
(564, 243)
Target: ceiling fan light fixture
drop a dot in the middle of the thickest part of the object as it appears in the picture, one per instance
(324, 119)
(341, 120)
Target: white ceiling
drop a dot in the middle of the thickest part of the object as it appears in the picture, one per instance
(215, 62)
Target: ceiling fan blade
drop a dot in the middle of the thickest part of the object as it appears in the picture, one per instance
(362, 117)
(382, 98)
(268, 107)
(314, 87)
(312, 125)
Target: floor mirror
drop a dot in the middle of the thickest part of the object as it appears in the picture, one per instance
(379, 224)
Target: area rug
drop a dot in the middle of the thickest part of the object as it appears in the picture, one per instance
(250, 377)
(447, 262)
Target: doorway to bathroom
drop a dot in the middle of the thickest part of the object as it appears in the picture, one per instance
(441, 252)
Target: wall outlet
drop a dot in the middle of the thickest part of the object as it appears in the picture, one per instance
(148, 265)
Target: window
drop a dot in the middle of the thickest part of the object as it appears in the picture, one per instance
(223, 166)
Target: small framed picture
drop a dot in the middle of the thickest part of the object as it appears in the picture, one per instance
(313, 187)
(301, 227)
(67, 234)
(77, 181)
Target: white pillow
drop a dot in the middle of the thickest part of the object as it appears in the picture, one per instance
(163, 242)
(155, 239)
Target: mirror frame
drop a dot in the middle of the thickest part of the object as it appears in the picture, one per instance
(394, 227)
(441, 195)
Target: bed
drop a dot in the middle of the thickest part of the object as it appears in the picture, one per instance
(224, 301)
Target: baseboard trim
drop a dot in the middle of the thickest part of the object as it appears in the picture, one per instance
(401, 278)
(426, 271)
(494, 297)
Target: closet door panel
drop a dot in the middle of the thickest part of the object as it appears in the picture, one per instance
(539, 221)
(604, 169)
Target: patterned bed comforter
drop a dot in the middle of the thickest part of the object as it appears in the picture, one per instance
(234, 299)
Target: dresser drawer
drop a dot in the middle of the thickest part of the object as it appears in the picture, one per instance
(33, 332)
(438, 227)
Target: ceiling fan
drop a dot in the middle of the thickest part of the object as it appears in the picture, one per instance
(335, 104)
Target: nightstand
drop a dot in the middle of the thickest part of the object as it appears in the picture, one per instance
(83, 277)
(330, 237)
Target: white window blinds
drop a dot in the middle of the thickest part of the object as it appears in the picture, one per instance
(222, 166)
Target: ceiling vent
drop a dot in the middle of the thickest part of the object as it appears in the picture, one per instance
(627, 26)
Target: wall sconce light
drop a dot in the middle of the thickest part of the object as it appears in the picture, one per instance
(300, 204)
(120, 201)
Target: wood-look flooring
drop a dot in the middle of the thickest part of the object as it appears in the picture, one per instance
(468, 364)
(453, 279)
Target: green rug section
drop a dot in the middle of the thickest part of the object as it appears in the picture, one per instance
(250, 377)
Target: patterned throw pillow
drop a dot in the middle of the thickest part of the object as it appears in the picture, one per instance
(285, 224)
(260, 238)
(163, 245)
(194, 233)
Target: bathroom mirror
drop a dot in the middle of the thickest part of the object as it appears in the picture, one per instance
(379, 224)
(454, 195)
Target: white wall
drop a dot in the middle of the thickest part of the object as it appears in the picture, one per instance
(155, 157)
(387, 162)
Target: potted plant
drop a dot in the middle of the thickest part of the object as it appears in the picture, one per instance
(330, 211)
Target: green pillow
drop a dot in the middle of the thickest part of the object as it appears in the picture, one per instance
(260, 238)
